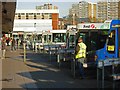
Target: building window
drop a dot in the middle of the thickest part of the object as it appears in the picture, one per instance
(19, 16)
(22, 13)
(30, 13)
(38, 13)
(42, 16)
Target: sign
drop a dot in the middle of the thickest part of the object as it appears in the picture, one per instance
(89, 26)
(111, 48)
(108, 62)
(93, 26)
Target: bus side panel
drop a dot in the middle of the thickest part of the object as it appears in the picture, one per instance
(119, 40)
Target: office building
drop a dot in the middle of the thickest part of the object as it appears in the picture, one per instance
(36, 20)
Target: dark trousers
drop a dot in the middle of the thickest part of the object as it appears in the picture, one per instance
(81, 69)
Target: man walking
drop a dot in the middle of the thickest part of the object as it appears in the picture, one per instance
(80, 52)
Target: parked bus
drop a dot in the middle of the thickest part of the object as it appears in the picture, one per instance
(94, 36)
(54, 37)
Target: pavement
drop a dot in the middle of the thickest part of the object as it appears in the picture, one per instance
(39, 72)
(13, 69)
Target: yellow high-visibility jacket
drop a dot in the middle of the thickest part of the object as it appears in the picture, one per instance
(82, 51)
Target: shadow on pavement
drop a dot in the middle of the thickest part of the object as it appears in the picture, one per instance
(47, 75)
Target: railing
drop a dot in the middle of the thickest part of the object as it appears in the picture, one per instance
(101, 70)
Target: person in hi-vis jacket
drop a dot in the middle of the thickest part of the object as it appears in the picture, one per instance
(80, 55)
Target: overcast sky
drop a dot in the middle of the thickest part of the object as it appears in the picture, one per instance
(63, 5)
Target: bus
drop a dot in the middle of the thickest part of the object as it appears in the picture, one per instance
(94, 36)
(54, 38)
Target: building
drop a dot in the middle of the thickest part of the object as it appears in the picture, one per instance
(113, 9)
(92, 12)
(46, 6)
(108, 10)
(61, 24)
(74, 10)
(36, 20)
(84, 11)
(95, 12)
(7, 16)
(101, 11)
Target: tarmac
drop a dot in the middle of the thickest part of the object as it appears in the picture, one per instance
(39, 72)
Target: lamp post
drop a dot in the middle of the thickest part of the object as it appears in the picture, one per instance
(35, 38)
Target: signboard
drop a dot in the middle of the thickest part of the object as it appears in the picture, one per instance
(108, 62)
(93, 26)
(111, 48)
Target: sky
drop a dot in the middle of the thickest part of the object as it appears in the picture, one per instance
(63, 5)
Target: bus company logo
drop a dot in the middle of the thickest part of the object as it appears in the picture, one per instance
(92, 26)
(89, 26)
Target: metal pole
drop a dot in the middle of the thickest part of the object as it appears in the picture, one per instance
(113, 74)
(35, 48)
(24, 52)
(49, 53)
(102, 74)
(98, 78)
(74, 62)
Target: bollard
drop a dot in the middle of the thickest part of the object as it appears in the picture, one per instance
(58, 60)
(50, 55)
(24, 53)
(35, 48)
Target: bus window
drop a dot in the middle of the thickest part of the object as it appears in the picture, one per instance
(49, 38)
(45, 38)
(102, 36)
(111, 42)
(72, 41)
(93, 41)
(40, 38)
(59, 37)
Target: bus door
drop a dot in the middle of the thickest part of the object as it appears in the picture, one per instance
(90, 38)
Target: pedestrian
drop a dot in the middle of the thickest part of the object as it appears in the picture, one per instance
(17, 42)
(3, 46)
(80, 55)
(13, 44)
(7, 41)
